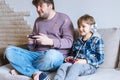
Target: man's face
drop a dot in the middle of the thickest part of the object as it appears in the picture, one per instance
(43, 10)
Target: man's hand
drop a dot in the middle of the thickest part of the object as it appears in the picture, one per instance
(43, 39)
(30, 41)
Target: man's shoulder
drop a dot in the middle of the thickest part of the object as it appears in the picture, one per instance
(62, 14)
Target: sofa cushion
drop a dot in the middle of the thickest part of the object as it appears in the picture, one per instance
(119, 51)
(119, 59)
(111, 41)
(102, 74)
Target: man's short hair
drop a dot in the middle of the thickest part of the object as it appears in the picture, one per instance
(35, 2)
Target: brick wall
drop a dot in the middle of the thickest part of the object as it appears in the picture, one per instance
(13, 27)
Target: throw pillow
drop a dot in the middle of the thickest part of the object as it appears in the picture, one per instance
(111, 41)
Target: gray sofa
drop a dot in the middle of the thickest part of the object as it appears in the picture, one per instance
(109, 70)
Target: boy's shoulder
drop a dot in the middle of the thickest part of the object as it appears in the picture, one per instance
(96, 34)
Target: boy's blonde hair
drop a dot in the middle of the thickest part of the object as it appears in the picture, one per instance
(87, 18)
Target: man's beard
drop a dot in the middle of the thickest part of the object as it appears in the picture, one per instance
(44, 16)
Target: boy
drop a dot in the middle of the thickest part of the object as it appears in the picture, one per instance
(87, 52)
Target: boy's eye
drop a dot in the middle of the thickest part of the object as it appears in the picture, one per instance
(83, 26)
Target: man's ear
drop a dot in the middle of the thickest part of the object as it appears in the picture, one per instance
(50, 5)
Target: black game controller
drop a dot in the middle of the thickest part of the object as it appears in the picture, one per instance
(31, 36)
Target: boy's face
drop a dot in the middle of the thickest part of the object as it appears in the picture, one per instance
(84, 28)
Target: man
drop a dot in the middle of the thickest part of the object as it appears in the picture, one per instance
(51, 39)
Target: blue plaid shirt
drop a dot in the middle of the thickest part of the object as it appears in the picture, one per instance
(91, 50)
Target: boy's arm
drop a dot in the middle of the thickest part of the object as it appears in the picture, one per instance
(98, 58)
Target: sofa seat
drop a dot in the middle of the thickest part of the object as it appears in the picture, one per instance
(101, 74)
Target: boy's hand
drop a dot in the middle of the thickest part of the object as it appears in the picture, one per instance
(70, 59)
(82, 61)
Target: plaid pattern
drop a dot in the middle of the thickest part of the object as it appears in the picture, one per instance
(91, 50)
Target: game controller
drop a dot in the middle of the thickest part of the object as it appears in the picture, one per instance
(71, 60)
(31, 36)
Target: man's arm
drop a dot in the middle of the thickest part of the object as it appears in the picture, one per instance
(66, 39)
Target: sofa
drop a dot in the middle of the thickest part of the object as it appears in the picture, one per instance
(109, 70)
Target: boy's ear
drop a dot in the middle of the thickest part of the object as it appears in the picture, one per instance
(93, 28)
